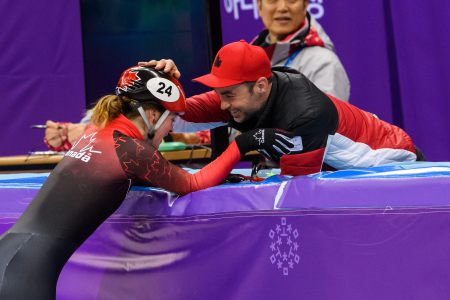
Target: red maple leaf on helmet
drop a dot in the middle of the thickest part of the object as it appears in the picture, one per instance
(128, 78)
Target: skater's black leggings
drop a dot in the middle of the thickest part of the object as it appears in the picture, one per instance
(30, 265)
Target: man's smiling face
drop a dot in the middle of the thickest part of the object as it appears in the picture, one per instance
(240, 100)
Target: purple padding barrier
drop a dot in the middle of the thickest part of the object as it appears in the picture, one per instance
(404, 185)
(228, 242)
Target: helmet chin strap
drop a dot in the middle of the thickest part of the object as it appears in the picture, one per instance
(152, 129)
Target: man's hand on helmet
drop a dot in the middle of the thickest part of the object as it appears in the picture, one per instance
(166, 65)
(271, 142)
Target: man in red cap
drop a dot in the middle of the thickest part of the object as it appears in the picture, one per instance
(248, 94)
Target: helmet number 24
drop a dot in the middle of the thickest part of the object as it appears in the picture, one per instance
(163, 89)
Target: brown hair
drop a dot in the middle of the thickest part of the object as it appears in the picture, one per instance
(110, 107)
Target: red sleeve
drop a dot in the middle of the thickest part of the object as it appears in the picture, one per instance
(205, 108)
(150, 168)
(303, 163)
(215, 172)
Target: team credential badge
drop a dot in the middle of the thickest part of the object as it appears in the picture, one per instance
(284, 244)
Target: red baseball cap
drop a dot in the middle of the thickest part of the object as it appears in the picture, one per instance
(236, 63)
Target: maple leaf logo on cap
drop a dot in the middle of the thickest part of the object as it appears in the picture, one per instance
(217, 62)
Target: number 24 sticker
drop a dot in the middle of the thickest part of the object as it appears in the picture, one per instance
(163, 89)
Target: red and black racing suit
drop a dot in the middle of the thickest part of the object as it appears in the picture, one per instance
(85, 188)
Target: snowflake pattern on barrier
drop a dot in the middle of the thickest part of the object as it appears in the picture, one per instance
(284, 245)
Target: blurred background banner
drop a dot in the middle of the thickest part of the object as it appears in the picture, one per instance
(117, 34)
(58, 57)
(41, 70)
(396, 55)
